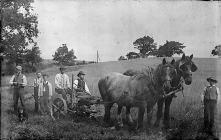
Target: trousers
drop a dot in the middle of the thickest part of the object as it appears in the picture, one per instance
(209, 113)
(18, 94)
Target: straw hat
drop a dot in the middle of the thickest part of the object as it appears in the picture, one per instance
(211, 79)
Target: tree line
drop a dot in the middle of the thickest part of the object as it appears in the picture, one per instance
(148, 47)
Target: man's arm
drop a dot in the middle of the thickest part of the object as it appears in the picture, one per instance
(68, 82)
(87, 89)
(218, 95)
(57, 78)
(11, 80)
(75, 84)
(24, 81)
(50, 90)
(203, 94)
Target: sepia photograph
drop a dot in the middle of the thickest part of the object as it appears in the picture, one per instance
(110, 70)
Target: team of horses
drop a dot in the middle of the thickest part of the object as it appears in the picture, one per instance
(145, 88)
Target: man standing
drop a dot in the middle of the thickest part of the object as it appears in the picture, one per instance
(37, 82)
(80, 85)
(18, 81)
(210, 96)
(45, 94)
(62, 83)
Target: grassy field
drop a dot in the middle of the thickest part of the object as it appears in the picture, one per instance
(186, 112)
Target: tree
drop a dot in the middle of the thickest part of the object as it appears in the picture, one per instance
(33, 56)
(216, 50)
(170, 48)
(19, 28)
(145, 45)
(63, 56)
(132, 55)
(122, 58)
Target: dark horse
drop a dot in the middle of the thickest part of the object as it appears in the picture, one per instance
(184, 67)
(141, 90)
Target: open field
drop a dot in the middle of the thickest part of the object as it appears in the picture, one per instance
(186, 112)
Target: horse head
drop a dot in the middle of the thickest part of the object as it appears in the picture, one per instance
(167, 72)
(185, 67)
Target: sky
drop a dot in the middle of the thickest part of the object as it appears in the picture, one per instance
(112, 26)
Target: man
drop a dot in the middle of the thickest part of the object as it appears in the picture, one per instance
(18, 81)
(80, 85)
(62, 83)
(37, 82)
(210, 96)
(45, 95)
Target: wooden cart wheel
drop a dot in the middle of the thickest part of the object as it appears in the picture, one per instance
(59, 108)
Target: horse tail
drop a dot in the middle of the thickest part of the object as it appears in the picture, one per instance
(102, 86)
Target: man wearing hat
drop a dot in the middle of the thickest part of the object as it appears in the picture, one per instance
(18, 81)
(62, 83)
(80, 85)
(210, 96)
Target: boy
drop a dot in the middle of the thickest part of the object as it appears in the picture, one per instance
(45, 95)
(210, 96)
(37, 81)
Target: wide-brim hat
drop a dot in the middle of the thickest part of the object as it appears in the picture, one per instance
(18, 67)
(80, 73)
(211, 79)
(62, 67)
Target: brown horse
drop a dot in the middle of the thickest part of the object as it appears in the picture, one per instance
(184, 67)
(141, 90)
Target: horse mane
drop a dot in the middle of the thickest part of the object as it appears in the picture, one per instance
(150, 74)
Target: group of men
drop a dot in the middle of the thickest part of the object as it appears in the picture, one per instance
(43, 88)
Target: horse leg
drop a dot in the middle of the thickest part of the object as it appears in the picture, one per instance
(140, 117)
(166, 120)
(159, 112)
(107, 113)
(149, 115)
(128, 116)
(119, 118)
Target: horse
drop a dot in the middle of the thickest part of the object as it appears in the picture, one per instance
(184, 67)
(141, 90)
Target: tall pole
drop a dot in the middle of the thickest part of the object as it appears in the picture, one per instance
(97, 56)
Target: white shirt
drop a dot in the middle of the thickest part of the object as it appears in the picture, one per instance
(41, 89)
(24, 80)
(204, 91)
(62, 81)
(86, 87)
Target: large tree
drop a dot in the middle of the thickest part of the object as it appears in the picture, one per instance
(63, 56)
(170, 48)
(145, 45)
(19, 29)
(216, 50)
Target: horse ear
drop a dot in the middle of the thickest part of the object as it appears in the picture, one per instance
(183, 57)
(164, 61)
(173, 61)
(193, 67)
(191, 57)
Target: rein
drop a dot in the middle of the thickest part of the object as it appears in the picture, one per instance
(175, 89)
